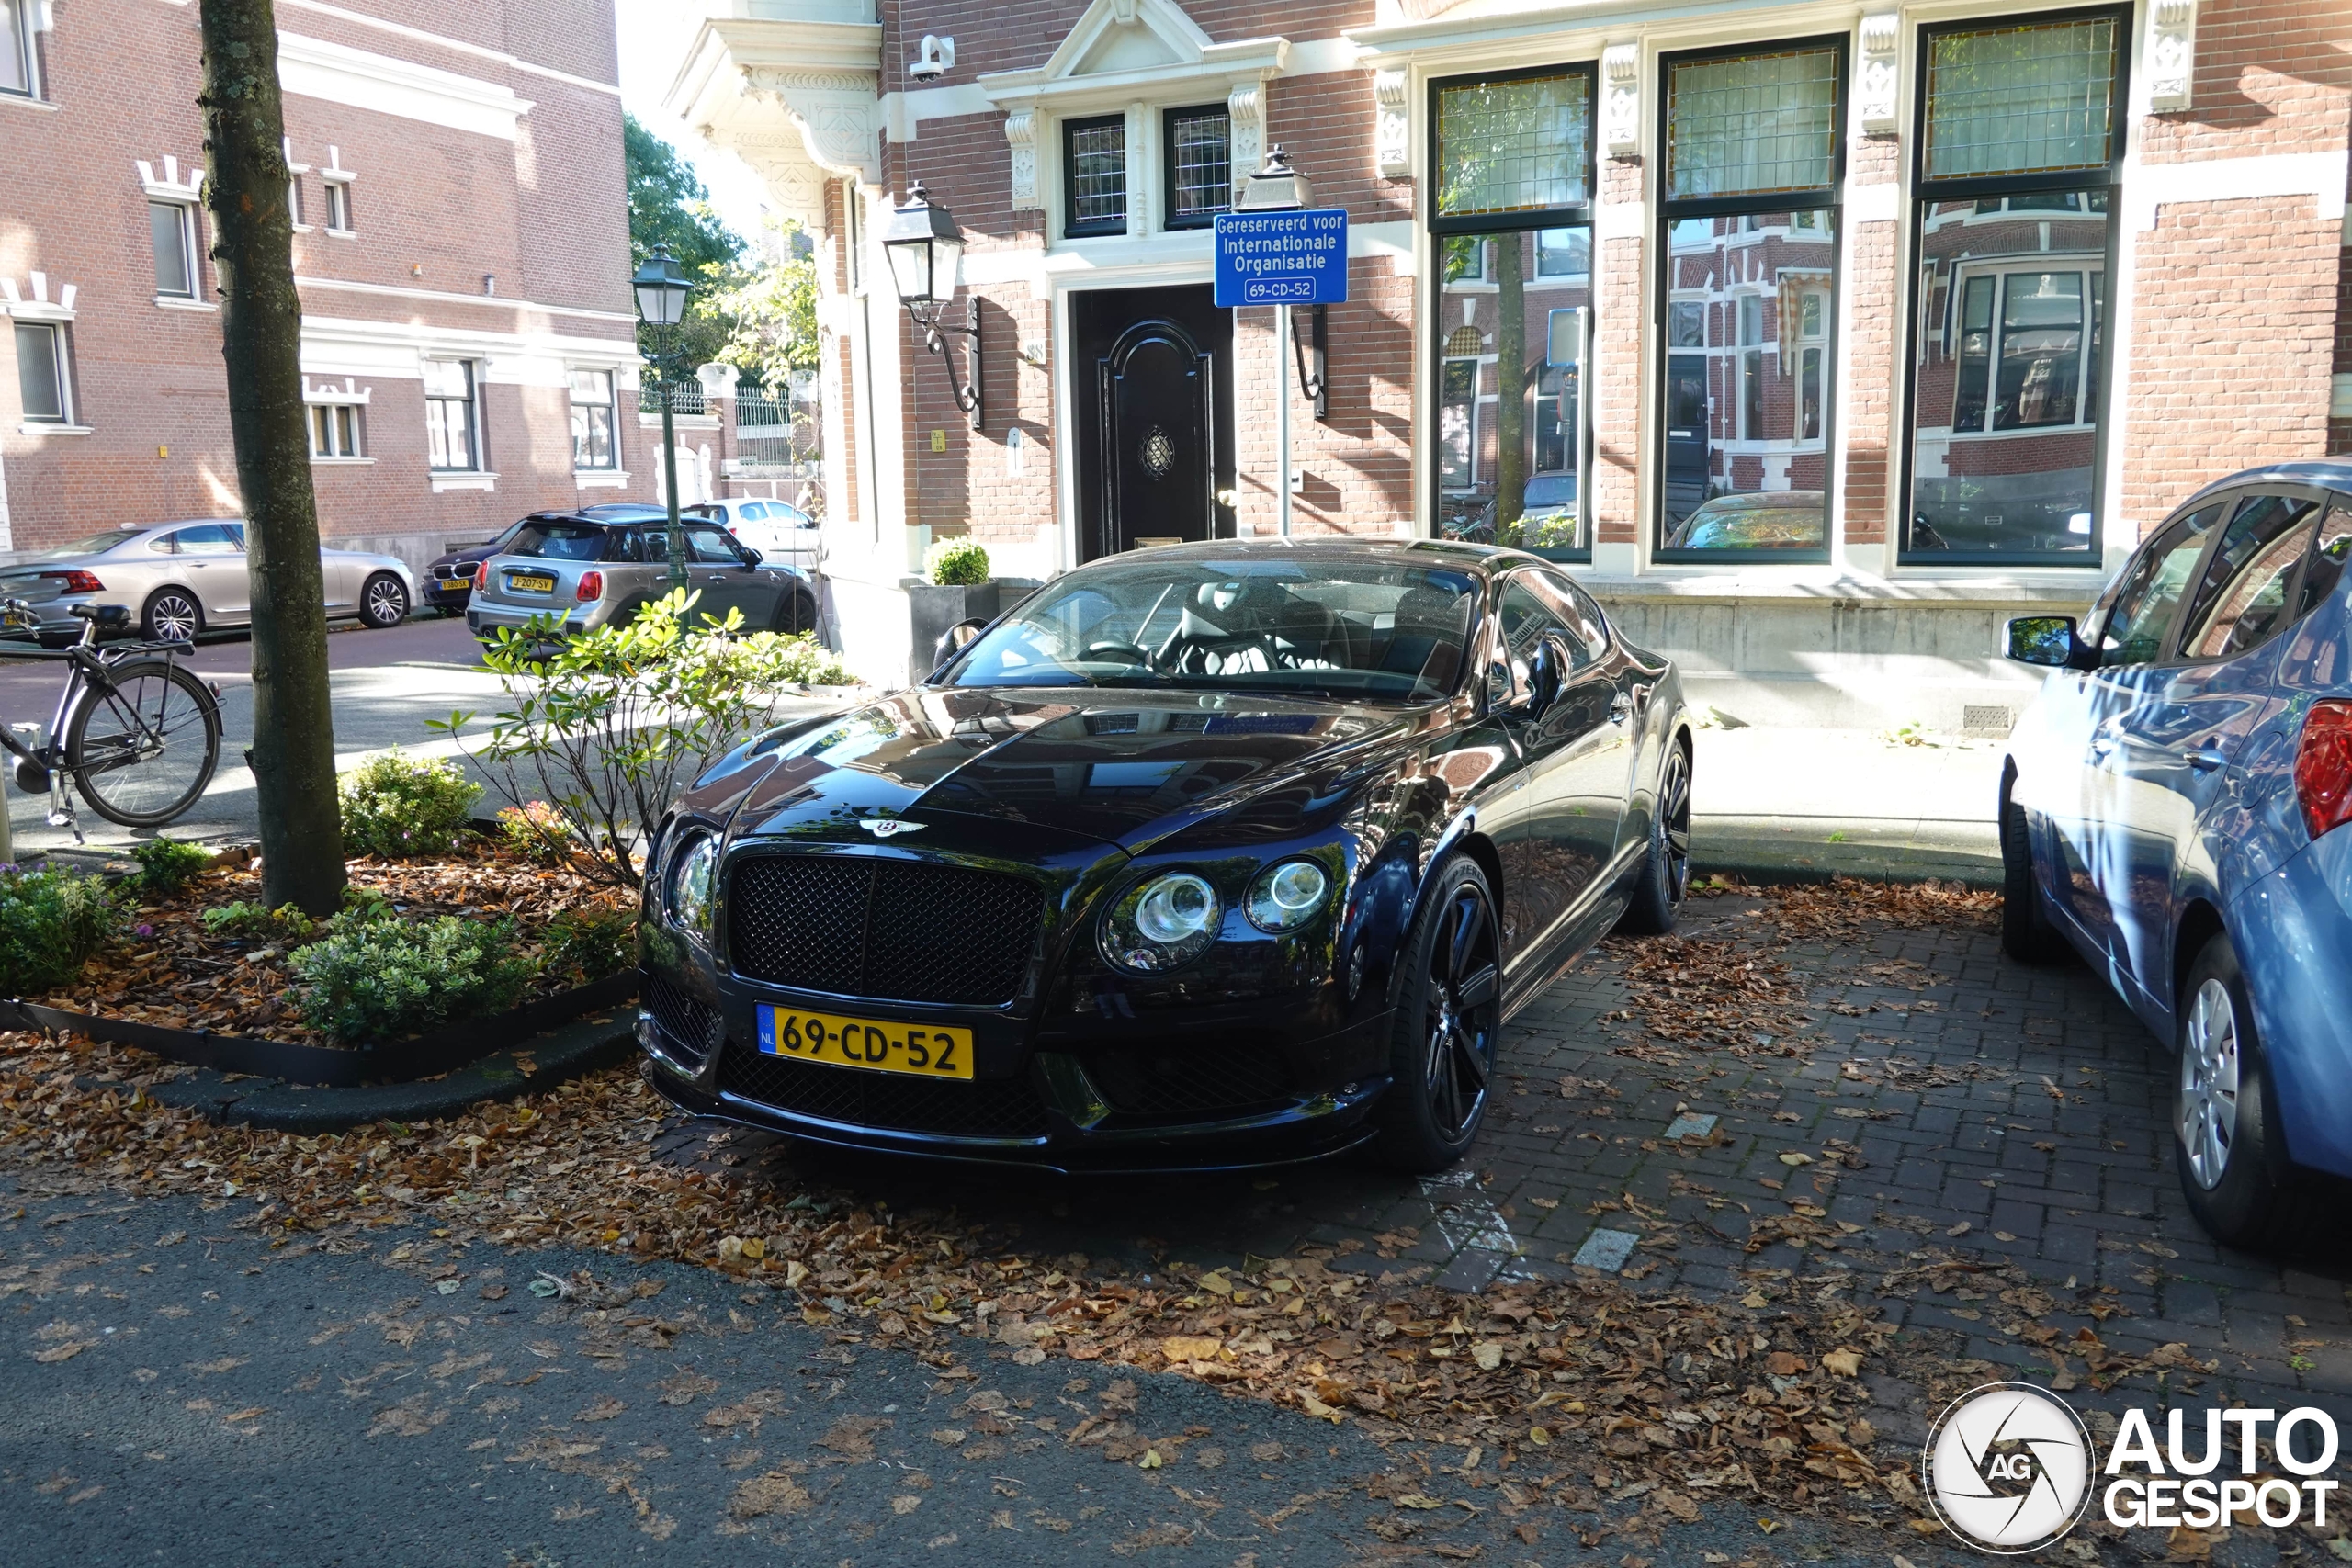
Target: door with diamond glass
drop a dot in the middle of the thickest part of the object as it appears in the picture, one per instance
(1155, 441)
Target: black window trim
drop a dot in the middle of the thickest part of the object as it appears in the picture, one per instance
(30, 58)
(1071, 228)
(1830, 197)
(2176, 656)
(1168, 119)
(1924, 190)
(1564, 215)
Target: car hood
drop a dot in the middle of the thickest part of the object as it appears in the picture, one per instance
(1122, 767)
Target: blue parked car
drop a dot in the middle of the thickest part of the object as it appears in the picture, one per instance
(2176, 808)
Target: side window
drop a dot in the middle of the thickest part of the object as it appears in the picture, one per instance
(626, 545)
(2152, 585)
(712, 548)
(1524, 618)
(2242, 600)
(1587, 632)
(2325, 570)
(209, 540)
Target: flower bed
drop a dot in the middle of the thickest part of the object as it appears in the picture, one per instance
(426, 949)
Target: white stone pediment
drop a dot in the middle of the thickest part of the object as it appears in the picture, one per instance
(1121, 48)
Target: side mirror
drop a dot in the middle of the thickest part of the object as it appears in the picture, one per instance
(953, 642)
(1544, 671)
(752, 557)
(2047, 640)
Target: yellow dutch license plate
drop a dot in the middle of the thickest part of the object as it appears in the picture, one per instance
(871, 1043)
(521, 584)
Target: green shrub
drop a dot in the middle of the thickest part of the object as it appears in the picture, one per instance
(377, 979)
(954, 563)
(255, 923)
(393, 806)
(166, 866)
(51, 922)
(604, 728)
(366, 903)
(589, 943)
(538, 831)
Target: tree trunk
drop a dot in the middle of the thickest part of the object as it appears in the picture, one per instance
(261, 332)
(1510, 385)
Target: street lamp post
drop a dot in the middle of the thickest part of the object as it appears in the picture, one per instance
(1278, 187)
(662, 290)
(926, 252)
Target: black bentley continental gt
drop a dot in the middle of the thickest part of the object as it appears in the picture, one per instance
(1203, 856)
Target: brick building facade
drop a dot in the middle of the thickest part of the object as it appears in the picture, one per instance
(462, 246)
(1821, 337)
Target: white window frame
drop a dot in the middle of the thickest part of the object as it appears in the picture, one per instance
(62, 356)
(2089, 266)
(435, 406)
(612, 407)
(338, 182)
(191, 270)
(30, 15)
(341, 429)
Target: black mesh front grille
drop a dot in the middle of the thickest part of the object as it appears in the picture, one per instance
(691, 1028)
(892, 930)
(1189, 1080)
(993, 1108)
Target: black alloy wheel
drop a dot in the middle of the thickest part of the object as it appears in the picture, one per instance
(797, 613)
(1449, 1024)
(1664, 879)
(383, 603)
(172, 615)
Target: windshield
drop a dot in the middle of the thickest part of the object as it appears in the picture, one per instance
(559, 541)
(95, 544)
(1314, 625)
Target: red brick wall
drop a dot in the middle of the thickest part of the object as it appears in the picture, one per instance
(435, 209)
(1622, 338)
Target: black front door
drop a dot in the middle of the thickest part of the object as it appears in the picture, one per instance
(1154, 397)
(1687, 446)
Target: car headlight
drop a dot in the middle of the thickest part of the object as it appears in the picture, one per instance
(1162, 924)
(692, 871)
(1286, 897)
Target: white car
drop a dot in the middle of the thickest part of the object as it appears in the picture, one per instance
(781, 531)
(182, 579)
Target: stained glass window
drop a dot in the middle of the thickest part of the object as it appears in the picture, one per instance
(2019, 100)
(1513, 146)
(1752, 123)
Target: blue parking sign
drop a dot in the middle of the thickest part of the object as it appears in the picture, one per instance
(1282, 258)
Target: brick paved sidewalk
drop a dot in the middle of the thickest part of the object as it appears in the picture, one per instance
(1947, 1118)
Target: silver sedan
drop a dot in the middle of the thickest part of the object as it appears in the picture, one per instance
(181, 579)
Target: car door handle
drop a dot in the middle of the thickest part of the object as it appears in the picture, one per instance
(2205, 759)
(1621, 709)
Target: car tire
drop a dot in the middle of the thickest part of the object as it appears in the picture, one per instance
(2027, 933)
(172, 614)
(2226, 1147)
(797, 614)
(383, 602)
(1663, 880)
(1448, 1024)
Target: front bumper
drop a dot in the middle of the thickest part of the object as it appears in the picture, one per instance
(1049, 1113)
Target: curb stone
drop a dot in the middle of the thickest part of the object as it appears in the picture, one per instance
(555, 1057)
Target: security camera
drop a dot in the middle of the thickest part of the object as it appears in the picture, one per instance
(937, 55)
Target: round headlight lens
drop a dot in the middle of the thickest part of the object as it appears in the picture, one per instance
(1288, 897)
(691, 878)
(1162, 924)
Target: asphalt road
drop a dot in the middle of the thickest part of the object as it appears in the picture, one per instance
(400, 1400)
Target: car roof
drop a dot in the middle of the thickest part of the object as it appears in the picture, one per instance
(2334, 474)
(1396, 552)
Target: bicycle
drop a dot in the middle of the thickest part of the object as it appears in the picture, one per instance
(136, 733)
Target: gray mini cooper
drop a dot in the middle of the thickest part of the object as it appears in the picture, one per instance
(593, 572)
